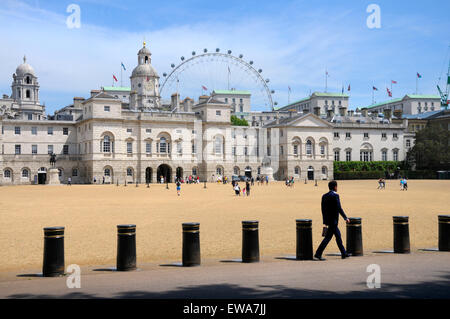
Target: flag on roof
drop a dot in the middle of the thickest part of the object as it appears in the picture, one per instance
(389, 92)
(418, 75)
(123, 66)
(393, 82)
(374, 88)
(114, 77)
(348, 89)
(204, 88)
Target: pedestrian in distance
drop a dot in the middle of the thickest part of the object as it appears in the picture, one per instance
(405, 184)
(267, 180)
(178, 187)
(247, 188)
(237, 190)
(253, 180)
(331, 209)
(69, 181)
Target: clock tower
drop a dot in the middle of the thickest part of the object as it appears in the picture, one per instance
(144, 83)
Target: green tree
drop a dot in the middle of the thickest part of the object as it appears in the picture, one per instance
(432, 148)
(237, 121)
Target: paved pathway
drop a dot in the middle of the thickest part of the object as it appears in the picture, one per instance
(418, 275)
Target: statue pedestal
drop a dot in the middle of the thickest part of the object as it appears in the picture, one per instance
(53, 177)
(267, 171)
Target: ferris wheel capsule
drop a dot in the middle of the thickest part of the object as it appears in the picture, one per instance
(241, 56)
(275, 103)
(205, 50)
(182, 58)
(217, 50)
(193, 52)
(229, 51)
(251, 62)
(260, 70)
(172, 65)
(267, 80)
(164, 74)
(273, 92)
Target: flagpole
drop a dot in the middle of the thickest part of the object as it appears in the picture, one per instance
(289, 96)
(121, 83)
(326, 80)
(373, 93)
(417, 83)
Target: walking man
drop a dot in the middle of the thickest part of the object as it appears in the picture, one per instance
(331, 208)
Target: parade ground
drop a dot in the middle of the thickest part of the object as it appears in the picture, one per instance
(90, 214)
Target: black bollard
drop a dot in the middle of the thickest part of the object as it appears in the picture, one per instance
(148, 185)
(167, 185)
(250, 242)
(204, 184)
(315, 183)
(136, 184)
(304, 239)
(191, 244)
(354, 237)
(53, 265)
(117, 182)
(444, 232)
(126, 247)
(401, 235)
(305, 181)
(125, 184)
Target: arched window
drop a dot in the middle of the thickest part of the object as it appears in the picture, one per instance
(309, 147)
(28, 94)
(384, 154)
(129, 171)
(107, 144)
(162, 145)
(107, 172)
(395, 154)
(194, 171)
(25, 173)
(7, 173)
(236, 170)
(219, 171)
(297, 170)
(28, 81)
(218, 145)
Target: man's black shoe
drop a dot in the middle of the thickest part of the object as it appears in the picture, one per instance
(319, 257)
(345, 256)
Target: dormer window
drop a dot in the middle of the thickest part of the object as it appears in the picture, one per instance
(28, 80)
(146, 60)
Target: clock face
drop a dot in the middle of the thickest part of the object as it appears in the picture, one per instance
(148, 85)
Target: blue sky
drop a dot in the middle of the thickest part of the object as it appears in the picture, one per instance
(292, 41)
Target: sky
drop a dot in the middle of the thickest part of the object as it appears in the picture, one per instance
(293, 42)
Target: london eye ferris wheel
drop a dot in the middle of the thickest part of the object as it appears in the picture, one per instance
(208, 71)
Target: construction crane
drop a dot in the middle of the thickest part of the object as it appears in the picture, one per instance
(444, 94)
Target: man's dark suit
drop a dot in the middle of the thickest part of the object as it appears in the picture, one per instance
(331, 208)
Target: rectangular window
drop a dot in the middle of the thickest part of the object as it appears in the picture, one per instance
(148, 148)
(194, 148)
(106, 108)
(268, 150)
(336, 134)
(366, 135)
(295, 149)
(50, 149)
(384, 155)
(33, 149)
(17, 149)
(218, 113)
(408, 143)
(66, 149)
(75, 172)
(365, 156)
(129, 130)
(179, 148)
(129, 148)
(395, 155)
(348, 135)
(65, 131)
(17, 130)
(348, 156)
(148, 130)
(30, 116)
(50, 130)
(395, 135)
(233, 151)
(246, 150)
(383, 135)
(337, 156)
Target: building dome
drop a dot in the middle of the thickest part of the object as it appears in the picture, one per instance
(144, 51)
(144, 70)
(24, 68)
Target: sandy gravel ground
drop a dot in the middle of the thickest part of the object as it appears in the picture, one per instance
(90, 214)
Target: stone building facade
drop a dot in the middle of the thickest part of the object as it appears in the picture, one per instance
(121, 136)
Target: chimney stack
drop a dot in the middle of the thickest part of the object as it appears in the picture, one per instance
(330, 113)
(175, 101)
(342, 110)
(387, 113)
(364, 112)
(317, 110)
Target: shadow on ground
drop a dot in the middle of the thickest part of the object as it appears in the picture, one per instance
(439, 288)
